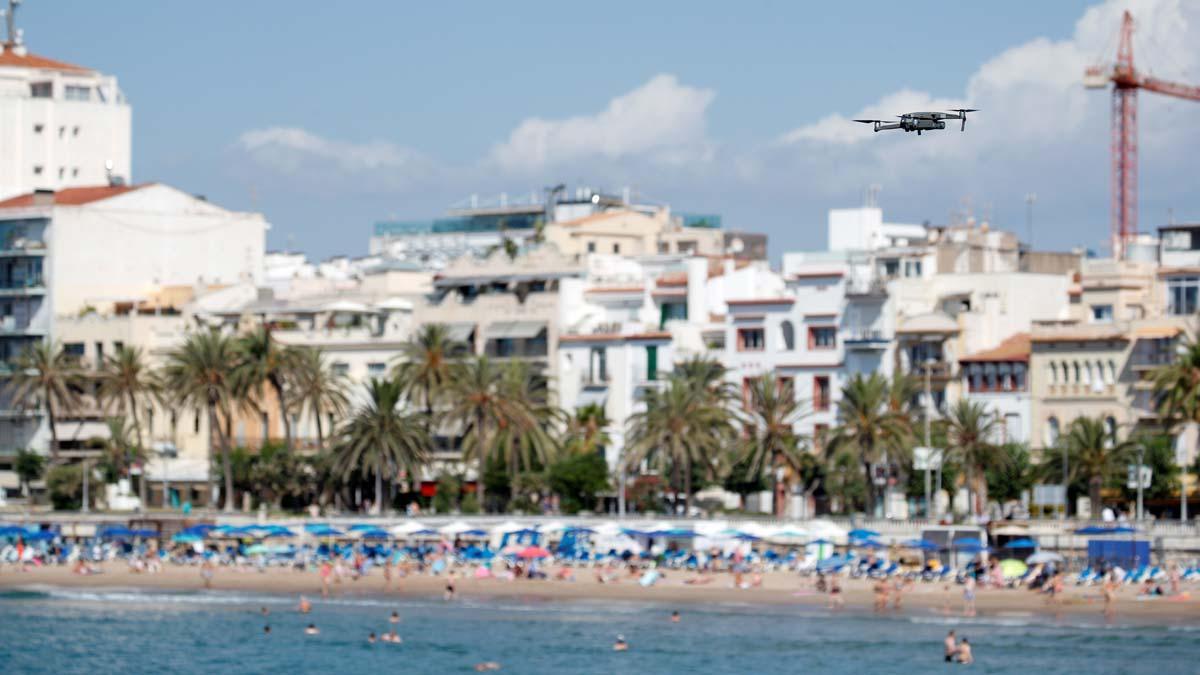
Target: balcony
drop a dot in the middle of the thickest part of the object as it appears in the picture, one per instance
(866, 340)
(938, 370)
(9, 326)
(14, 251)
(22, 287)
(866, 289)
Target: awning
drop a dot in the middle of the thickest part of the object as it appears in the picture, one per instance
(460, 332)
(592, 396)
(1157, 332)
(515, 329)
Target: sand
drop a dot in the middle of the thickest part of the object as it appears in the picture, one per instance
(777, 588)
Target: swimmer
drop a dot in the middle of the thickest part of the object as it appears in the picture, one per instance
(371, 638)
(305, 606)
(266, 630)
(964, 653)
(486, 666)
(394, 618)
(951, 647)
(620, 645)
(312, 629)
(265, 611)
(395, 638)
(675, 616)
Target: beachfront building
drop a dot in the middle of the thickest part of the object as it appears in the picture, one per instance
(61, 125)
(104, 250)
(998, 378)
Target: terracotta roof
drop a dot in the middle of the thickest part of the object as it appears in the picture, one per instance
(1157, 332)
(762, 301)
(613, 337)
(1081, 334)
(11, 59)
(670, 293)
(673, 279)
(1168, 271)
(76, 196)
(1015, 348)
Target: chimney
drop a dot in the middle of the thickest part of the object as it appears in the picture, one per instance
(43, 197)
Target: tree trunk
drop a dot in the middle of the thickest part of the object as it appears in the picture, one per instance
(137, 435)
(779, 491)
(870, 491)
(320, 432)
(277, 385)
(53, 428)
(213, 430)
(482, 450)
(1094, 485)
(376, 507)
(687, 487)
(226, 465)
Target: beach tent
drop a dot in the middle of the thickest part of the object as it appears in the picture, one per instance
(455, 528)
(407, 528)
(117, 532)
(920, 544)
(1096, 530)
(41, 535)
(322, 530)
(374, 534)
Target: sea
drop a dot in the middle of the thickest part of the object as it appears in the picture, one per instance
(47, 630)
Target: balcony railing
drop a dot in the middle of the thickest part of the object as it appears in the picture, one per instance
(31, 285)
(866, 339)
(866, 288)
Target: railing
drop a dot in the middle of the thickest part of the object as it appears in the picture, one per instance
(866, 288)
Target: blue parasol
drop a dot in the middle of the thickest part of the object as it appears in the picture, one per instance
(1021, 543)
(863, 534)
(922, 544)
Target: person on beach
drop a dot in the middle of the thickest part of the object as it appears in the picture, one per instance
(206, 573)
(1110, 594)
(265, 612)
(620, 645)
(969, 597)
(836, 601)
(312, 629)
(881, 595)
(326, 572)
(964, 653)
(950, 647)
(449, 594)
(394, 638)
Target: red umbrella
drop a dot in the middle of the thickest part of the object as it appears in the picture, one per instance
(534, 552)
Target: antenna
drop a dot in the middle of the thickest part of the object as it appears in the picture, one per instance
(10, 19)
(872, 195)
(1029, 200)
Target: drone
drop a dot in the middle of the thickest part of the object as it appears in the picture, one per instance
(923, 121)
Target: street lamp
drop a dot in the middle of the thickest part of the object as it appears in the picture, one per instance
(928, 414)
(166, 450)
(1141, 451)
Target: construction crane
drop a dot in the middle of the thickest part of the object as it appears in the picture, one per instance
(1126, 81)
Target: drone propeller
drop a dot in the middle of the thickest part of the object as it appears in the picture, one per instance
(962, 112)
(868, 121)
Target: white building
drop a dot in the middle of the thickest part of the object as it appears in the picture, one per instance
(61, 125)
(107, 250)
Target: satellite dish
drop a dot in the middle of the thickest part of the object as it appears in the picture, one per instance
(737, 245)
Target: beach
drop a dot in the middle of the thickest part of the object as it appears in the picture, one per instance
(776, 589)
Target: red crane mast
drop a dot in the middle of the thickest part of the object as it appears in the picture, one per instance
(1126, 81)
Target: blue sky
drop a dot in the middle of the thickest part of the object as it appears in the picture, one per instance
(327, 119)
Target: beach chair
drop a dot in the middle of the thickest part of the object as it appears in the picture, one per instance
(1084, 577)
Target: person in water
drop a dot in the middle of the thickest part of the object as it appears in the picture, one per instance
(305, 606)
(371, 638)
(675, 616)
(394, 618)
(266, 630)
(964, 653)
(951, 647)
(312, 629)
(620, 645)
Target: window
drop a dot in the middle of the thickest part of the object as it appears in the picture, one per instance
(75, 172)
(1182, 294)
(1110, 429)
(62, 131)
(890, 268)
(75, 131)
(912, 268)
(74, 349)
(598, 365)
(820, 431)
(786, 386)
(1102, 313)
(591, 247)
(1012, 428)
(822, 337)
(149, 421)
(750, 340)
(62, 172)
(789, 335)
(1052, 372)
(37, 169)
(821, 393)
(196, 424)
(99, 353)
(651, 362)
(74, 92)
(1052, 432)
(341, 369)
(376, 369)
(670, 311)
(1181, 240)
(41, 89)
(265, 421)
(1075, 367)
(37, 128)
(616, 248)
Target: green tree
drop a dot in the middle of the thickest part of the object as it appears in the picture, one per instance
(381, 438)
(586, 431)
(199, 373)
(480, 404)
(1011, 475)
(449, 491)
(577, 478)
(64, 482)
(1159, 456)
(770, 440)
(29, 466)
(742, 481)
(970, 428)
(263, 362)
(682, 426)
(844, 480)
(121, 450)
(318, 389)
(1095, 455)
(46, 375)
(525, 440)
(427, 365)
(277, 474)
(867, 426)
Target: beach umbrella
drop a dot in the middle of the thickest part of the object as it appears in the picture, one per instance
(869, 543)
(201, 529)
(1021, 543)
(117, 532)
(580, 530)
(473, 533)
(145, 534)
(278, 531)
(819, 542)
(508, 526)
(862, 534)
(407, 528)
(969, 542)
(360, 527)
(1096, 529)
(921, 544)
(457, 527)
(1044, 557)
(257, 549)
(1012, 568)
(676, 532)
(531, 552)
(322, 530)
(186, 538)
(746, 536)
(374, 534)
(12, 531)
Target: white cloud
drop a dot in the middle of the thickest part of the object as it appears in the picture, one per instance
(662, 120)
(294, 151)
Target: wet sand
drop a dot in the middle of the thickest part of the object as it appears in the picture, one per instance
(777, 588)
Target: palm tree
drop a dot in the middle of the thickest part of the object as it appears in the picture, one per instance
(970, 428)
(708, 375)
(199, 373)
(317, 387)
(29, 466)
(770, 438)
(680, 427)
(525, 439)
(381, 438)
(45, 374)
(121, 449)
(263, 361)
(124, 379)
(1095, 454)
(427, 364)
(1177, 385)
(586, 431)
(867, 426)
(480, 403)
